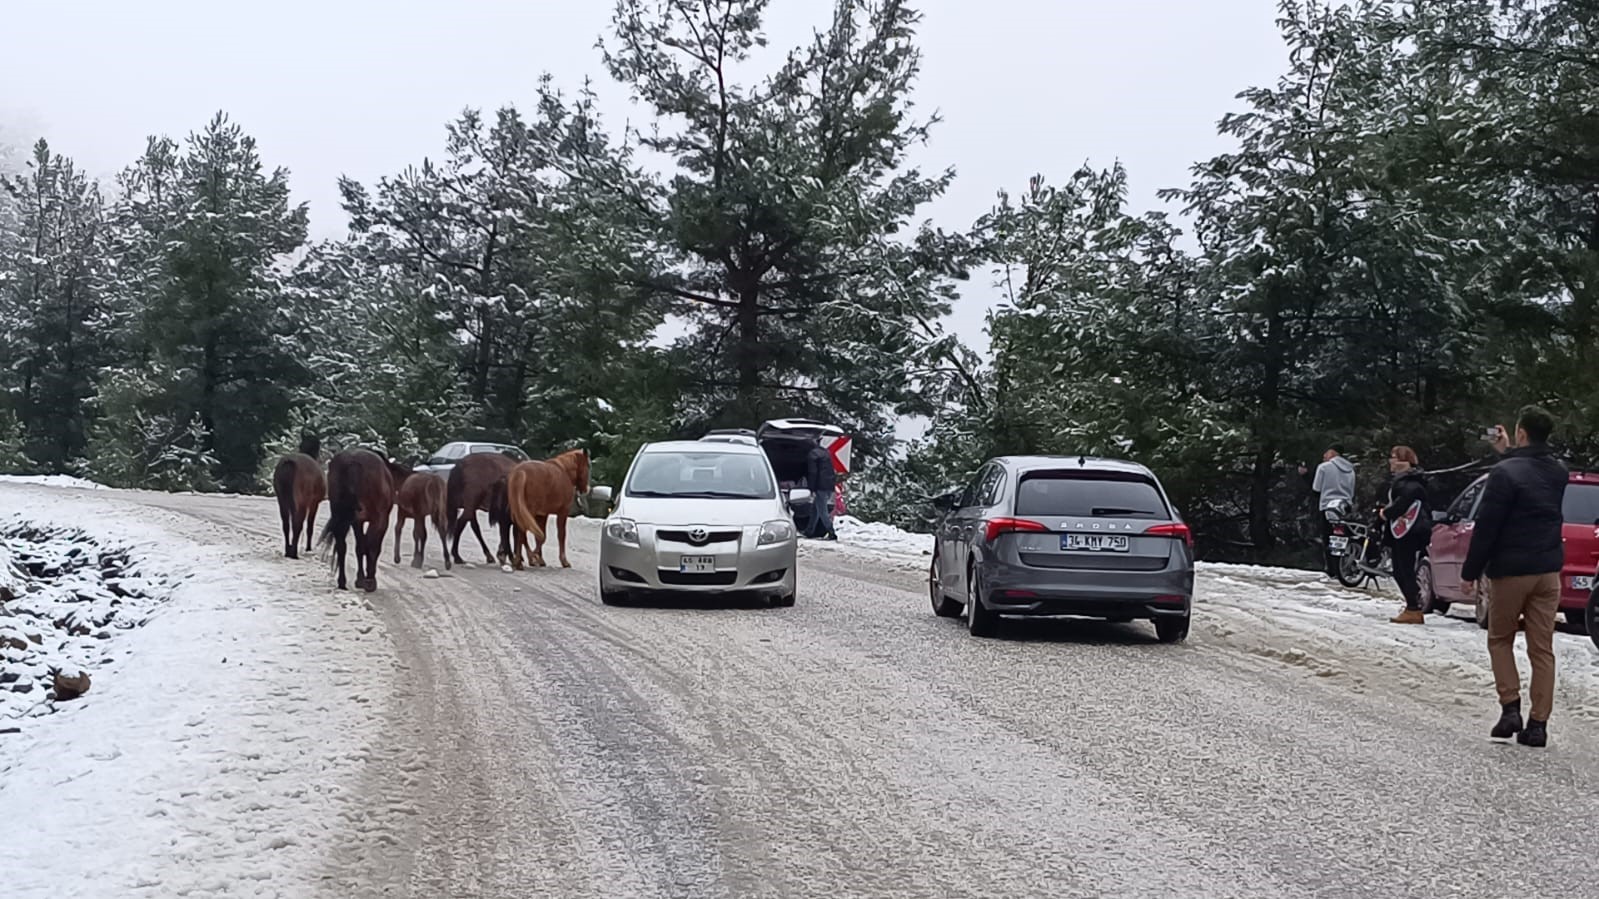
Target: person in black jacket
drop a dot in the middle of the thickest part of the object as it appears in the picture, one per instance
(1516, 541)
(822, 480)
(1407, 528)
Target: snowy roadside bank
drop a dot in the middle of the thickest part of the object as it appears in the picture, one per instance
(215, 753)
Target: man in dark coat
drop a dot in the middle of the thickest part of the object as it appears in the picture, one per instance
(822, 481)
(1516, 542)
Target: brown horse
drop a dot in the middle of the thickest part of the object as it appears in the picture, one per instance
(300, 486)
(537, 490)
(470, 489)
(421, 497)
(361, 487)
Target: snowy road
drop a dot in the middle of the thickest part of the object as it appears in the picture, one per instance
(538, 743)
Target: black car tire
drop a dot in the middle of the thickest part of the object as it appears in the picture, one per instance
(1593, 617)
(1172, 630)
(613, 597)
(1430, 603)
(980, 620)
(785, 602)
(943, 606)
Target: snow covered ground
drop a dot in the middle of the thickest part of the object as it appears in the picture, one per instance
(1307, 620)
(51, 480)
(215, 750)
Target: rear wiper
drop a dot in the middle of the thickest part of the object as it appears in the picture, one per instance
(1104, 510)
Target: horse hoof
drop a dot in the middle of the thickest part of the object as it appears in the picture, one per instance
(416, 562)
(291, 554)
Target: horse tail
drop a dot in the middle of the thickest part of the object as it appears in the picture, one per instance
(516, 498)
(344, 504)
(283, 477)
(441, 508)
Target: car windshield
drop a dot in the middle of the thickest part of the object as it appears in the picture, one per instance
(706, 475)
(1582, 504)
(1072, 495)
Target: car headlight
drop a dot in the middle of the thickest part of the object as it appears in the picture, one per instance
(776, 532)
(622, 530)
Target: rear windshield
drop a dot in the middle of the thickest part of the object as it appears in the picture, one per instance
(1582, 504)
(1072, 495)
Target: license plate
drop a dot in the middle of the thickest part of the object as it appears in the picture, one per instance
(1338, 544)
(696, 565)
(1582, 583)
(1108, 543)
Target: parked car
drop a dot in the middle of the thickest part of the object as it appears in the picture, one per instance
(700, 517)
(1439, 570)
(1063, 535)
(442, 461)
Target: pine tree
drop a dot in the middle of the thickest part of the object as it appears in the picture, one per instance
(206, 233)
(787, 206)
(56, 267)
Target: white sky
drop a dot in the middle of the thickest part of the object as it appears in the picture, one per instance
(364, 87)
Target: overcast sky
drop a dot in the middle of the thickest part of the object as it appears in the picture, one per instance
(364, 87)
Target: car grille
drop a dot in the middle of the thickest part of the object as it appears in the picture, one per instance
(716, 579)
(682, 537)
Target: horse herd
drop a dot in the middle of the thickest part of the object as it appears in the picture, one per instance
(362, 488)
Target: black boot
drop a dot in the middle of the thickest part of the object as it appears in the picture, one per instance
(1509, 722)
(1536, 734)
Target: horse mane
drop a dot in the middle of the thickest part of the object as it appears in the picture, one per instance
(397, 471)
(575, 462)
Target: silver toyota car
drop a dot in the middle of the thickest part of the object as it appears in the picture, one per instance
(699, 516)
(1063, 535)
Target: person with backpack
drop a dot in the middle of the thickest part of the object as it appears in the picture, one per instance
(1407, 528)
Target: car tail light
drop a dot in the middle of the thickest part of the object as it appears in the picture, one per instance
(1175, 529)
(993, 527)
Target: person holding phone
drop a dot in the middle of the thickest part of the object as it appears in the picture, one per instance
(1516, 542)
(1407, 523)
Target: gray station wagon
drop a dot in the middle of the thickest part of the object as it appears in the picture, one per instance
(1063, 535)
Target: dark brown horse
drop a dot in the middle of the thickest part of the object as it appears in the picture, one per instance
(300, 486)
(470, 489)
(361, 489)
(421, 497)
(537, 490)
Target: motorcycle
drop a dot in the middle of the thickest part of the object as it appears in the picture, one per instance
(1362, 555)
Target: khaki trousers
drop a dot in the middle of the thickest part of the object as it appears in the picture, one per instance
(1536, 598)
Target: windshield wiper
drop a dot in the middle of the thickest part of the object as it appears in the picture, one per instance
(1112, 510)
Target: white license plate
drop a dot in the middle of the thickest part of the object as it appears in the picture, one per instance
(1109, 543)
(1337, 544)
(1582, 583)
(696, 565)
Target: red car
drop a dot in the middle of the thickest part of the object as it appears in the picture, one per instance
(1439, 570)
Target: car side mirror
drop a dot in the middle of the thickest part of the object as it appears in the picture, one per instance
(600, 494)
(799, 496)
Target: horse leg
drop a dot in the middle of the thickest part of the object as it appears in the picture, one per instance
(477, 531)
(419, 539)
(294, 536)
(374, 549)
(286, 512)
(399, 531)
(458, 527)
(310, 524)
(518, 540)
(339, 545)
(538, 540)
(560, 526)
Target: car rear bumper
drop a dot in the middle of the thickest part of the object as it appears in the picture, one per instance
(1018, 590)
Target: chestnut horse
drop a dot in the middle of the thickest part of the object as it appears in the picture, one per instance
(537, 490)
(421, 497)
(361, 487)
(470, 489)
(300, 486)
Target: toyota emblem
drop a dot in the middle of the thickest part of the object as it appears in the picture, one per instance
(698, 535)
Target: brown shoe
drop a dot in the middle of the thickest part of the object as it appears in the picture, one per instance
(1409, 616)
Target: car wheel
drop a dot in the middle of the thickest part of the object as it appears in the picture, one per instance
(1172, 630)
(1593, 617)
(612, 597)
(1430, 603)
(784, 602)
(943, 606)
(980, 620)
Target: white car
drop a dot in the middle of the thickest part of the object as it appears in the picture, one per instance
(700, 516)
